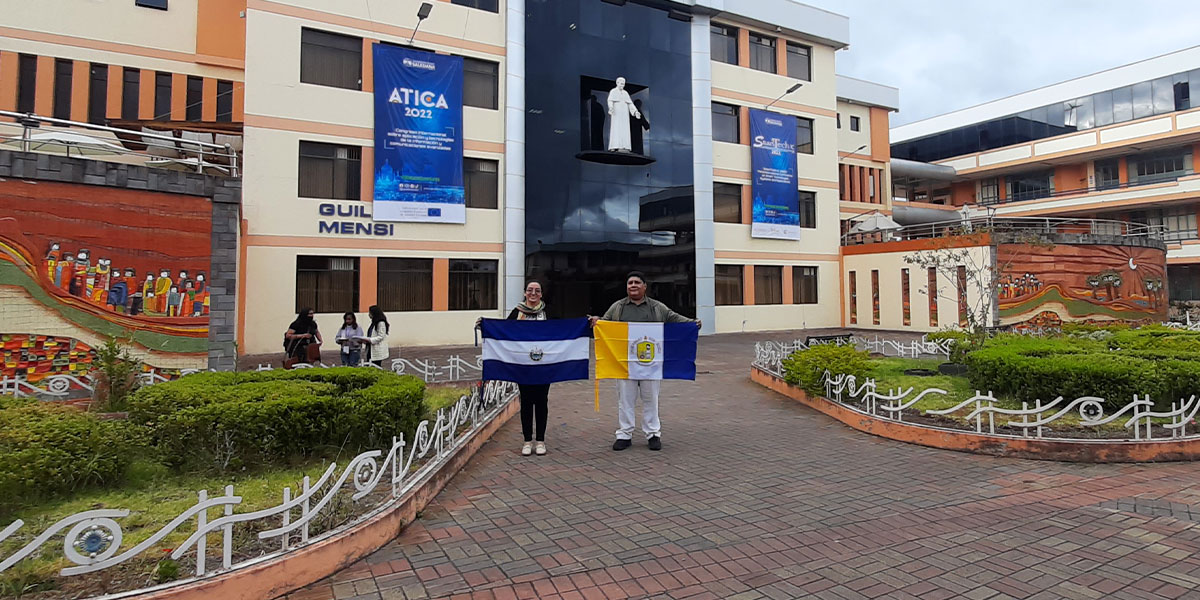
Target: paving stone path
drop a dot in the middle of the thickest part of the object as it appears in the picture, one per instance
(754, 496)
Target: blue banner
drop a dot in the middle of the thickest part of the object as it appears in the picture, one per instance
(418, 136)
(776, 193)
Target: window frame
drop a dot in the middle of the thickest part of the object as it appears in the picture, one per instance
(473, 69)
(855, 123)
(737, 125)
(765, 49)
(194, 108)
(472, 173)
(723, 277)
(805, 279)
(768, 285)
(27, 83)
(810, 146)
(401, 268)
(344, 284)
(63, 71)
(97, 93)
(807, 54)
(224, 101)
(155, 4)
(729, 32)
(807, 207)
(352, 172)
(729, 198)
(461, 277)
(131, 81)
(162, 96)
(310, 38)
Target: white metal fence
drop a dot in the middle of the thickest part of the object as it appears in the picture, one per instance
(93, 539)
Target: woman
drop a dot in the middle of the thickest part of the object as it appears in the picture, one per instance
(349, 337)
(533, 397)
(301, 333)
(377, 336)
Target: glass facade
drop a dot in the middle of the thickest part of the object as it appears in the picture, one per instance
(586, 223)
(1148, 98)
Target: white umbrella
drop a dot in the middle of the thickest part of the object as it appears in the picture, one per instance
(875, 222)
(65, 142)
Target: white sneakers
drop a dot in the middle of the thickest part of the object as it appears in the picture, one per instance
(529, 448)
(541, 448)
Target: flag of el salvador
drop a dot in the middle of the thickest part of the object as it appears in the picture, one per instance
(535, 352)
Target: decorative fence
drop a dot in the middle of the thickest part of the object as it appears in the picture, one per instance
(93, 539)
(62, 386)
(1039, 421)
(775, 352)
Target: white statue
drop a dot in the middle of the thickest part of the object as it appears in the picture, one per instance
(620, 108)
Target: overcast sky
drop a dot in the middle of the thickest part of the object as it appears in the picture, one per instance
(946, 54)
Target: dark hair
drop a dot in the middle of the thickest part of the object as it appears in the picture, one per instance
(637, 274)
(533, 281)
(377, 316)
(304, 312)
(353, 318)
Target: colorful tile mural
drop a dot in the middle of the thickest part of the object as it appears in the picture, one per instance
(35, 357)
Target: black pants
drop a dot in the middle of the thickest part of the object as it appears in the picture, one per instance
(533, 400)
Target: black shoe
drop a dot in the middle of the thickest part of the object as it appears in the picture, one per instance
(621, 444)
(655, 443)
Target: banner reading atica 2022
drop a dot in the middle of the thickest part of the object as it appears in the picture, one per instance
(418, 136)
(776, 212)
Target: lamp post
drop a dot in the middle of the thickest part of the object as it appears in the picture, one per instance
(789, 90)
(422, 14)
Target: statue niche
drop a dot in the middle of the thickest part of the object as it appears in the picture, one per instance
(614, 125)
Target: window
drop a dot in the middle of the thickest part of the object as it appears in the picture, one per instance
(839, 120)
(799, 61)
(724, 44)
(1179, 222)
(727, 202)
(932, 292)
(874, 296)
(26, 83)
(853, 297)
(159, 4)
(473, 284)
(854, 124)
(195, 99)
(327, 284)
(728, 281)
(62, 88)
(329, 171)
(905, 298)
(804, 285)
(768, 285)
(488, 5)
(808, 209)
(330, 59)
(963, 317)
(1163, 166)
(762, 52)
(481, 83)
(1030, 186)
(989, 191)
(725, 123)
(1183, 100)
(405, 284)
(130, 82)
(1108, 174)
(804, 135)
(482, 181)
(162, 96)
(98, 94)
(1184, 282)
(224, 101)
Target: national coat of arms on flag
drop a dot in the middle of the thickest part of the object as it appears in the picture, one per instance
(645, 350)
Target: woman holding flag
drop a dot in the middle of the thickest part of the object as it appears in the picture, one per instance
(534, 397)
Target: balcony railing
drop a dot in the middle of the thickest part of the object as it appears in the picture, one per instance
(1103, 187)
(28, 132)
(1012, 226)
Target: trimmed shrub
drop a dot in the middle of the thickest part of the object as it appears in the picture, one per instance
(238, 420)
(804, 368)
(47, 449)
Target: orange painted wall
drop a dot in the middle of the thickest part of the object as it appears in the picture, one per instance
(220, 30)
(9, 62)
(80, 74)
(43, 101)
(146, 94)
(208, 110)
(787, 285)
(1070, 177)
(112, 109)
(179, 96)
(743, 46)
(747, 204)
(881, 149)
(962, 193)
(748, 285)
(441, 284)
(368, 282)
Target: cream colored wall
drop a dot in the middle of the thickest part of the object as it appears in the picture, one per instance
(849, 140)
(824, 313)
(891, 296)
(446, 19)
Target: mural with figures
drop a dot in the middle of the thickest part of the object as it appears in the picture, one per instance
(1043, 287)
(93, 262)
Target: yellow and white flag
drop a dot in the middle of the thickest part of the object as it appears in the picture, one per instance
(644, 351)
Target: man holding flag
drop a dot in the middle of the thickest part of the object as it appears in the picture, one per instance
(639, 341)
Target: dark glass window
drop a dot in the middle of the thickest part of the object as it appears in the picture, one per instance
(1030, 186)
(727, 202)
(1183, 282)
(1183, 98)
(768, 285)
(482, 181)
(473, 284)
(1164, 95)
(195, 98)
(1108, 173)
(330, 59)
(728, 283)
(725, 123)
(852, 277)
(481, 83)
(26, 83)
(1160, 166)
(874, 296)
(159, 4)
(327, 284)
(931, 292)
(762, 52)
(1102, 108)
(854, 123)
(162, 96)
(130, 92)
(1178, 223)
(724, 44)
(799, 61)
(330, 171)
(98, 94)
(804, 285)
(1122, 104)
(488, 5)
(808, 209)
(905, 298)
(804, 135)
(62, 88)
(405, 284)
(224, 101)
(989, 191)
(1143, 100)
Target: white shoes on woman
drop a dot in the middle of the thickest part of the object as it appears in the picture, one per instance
(529, 448)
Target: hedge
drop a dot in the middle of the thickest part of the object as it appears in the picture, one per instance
(804, 368)
(235, 420)
(48, 449)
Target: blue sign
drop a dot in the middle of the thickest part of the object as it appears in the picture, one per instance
(418, 136)
(776, 212)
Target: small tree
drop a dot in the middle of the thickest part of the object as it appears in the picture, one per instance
(116, 375)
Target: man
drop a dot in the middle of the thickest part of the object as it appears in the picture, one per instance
(636, 307)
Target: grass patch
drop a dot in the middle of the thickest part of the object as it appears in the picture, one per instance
(889, 375)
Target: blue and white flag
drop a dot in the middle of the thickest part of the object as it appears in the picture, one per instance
(535, 352)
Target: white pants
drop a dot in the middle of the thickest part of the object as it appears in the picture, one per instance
(628, 391)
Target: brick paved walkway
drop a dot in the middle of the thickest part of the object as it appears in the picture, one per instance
(754, 497)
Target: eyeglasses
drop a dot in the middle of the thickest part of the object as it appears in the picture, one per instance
(533, 291)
